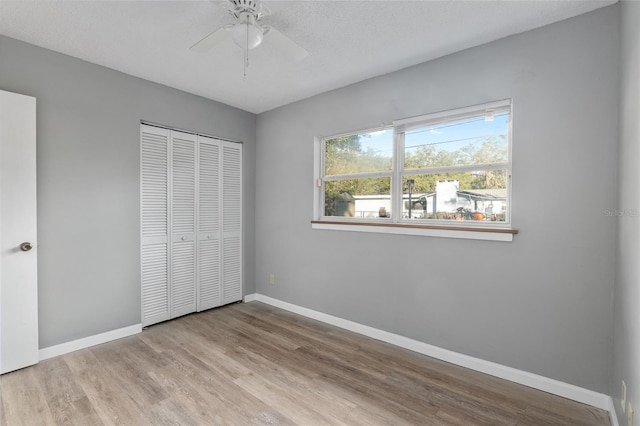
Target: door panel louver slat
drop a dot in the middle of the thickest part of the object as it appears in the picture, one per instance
(183, 186)
(209, 189)
(183, 293)
(232, 279)
(209, 260)
(155, 288)
(231, 187)
(154, 185)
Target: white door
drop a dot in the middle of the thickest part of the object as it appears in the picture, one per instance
(154, 154)
(18, 259)
(182, 252)
(231, 222)
(209, 295)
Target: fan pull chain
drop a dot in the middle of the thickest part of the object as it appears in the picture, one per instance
(246, 56)
(246, 64)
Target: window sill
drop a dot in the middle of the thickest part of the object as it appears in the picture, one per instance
(464, 232)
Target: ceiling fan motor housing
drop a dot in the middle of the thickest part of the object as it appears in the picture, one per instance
(254, 7)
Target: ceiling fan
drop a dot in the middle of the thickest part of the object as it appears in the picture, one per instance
(247, 32)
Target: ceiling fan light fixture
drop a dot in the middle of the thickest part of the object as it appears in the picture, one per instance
(247, 34)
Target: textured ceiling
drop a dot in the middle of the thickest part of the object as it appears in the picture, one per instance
(348, 41)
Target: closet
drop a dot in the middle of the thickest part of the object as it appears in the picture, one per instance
(191, 223)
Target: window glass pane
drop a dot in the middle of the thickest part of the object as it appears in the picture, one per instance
(478, 140)
(469, 196)
(362, 152)
(358, 198)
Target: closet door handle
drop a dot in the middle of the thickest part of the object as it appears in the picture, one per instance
(26, 246)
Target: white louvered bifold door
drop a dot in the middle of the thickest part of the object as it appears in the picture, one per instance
(154, 224)
(183, 223)
(191, 223)
(231, 222)
(209, 271)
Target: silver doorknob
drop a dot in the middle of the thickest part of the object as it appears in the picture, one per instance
(26, 246)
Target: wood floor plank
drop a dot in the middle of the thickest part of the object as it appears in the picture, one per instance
(196, 384)
(133, 376)
(254, 364)
(67, 401)
(170, 413)
(104, 391)
(200, 408)
(3, 417)
(304, 388)
(23, 399)
(287, 402)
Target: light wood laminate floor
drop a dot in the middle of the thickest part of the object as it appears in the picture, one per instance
(248, 364)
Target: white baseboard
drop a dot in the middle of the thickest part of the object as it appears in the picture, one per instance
(250, 298)
(97, 339)
(535, 381)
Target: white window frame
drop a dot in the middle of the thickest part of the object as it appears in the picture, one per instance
(485, 230)
(319, 172)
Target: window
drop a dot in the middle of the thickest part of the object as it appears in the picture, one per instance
(450, 169)
(357, 171)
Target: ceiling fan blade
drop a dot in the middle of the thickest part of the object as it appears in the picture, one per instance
(284, 44)
(211, 40)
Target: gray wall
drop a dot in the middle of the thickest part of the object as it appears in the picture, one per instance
(626, 364)
(542, 303)
(88, 123)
